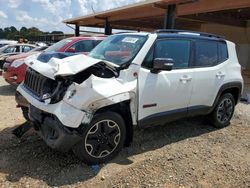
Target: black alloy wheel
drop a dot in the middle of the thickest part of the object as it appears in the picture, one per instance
(102, 139)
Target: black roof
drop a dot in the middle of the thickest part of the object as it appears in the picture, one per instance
(174, 33)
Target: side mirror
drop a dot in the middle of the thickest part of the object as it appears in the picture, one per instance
(162, 64)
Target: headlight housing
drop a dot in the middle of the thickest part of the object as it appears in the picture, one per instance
(17, 63)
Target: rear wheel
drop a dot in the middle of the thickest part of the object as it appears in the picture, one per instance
(223, 111)
(102, 139)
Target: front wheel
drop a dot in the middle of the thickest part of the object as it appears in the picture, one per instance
(223, 112)
(102, 139)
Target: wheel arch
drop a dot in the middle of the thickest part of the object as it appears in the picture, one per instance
(122, 108)
(234, 88)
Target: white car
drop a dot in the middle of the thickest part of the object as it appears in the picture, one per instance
(92, 104)
(13, 49)
(4, 42)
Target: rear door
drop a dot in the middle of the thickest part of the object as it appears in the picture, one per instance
(209, 72)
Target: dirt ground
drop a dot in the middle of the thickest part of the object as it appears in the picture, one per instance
(188, 153)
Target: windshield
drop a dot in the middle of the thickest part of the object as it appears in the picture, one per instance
(3, 48)
(118, 49)
(55, 47)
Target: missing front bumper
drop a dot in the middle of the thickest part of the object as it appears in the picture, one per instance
(53, 132)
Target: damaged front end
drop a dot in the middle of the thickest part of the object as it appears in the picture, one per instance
(64, 95)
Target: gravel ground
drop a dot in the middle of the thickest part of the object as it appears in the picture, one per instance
(187, 153)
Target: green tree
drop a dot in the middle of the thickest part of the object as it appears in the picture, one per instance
(29, 33)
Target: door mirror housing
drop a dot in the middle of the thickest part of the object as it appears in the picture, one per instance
(159, 64)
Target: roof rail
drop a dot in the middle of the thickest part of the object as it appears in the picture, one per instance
(188, 32)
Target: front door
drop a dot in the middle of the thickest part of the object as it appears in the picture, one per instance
(165, 95)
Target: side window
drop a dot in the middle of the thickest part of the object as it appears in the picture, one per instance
(10, 49)
(222, 52)
(206, 53)
(83, 46)
(176, 49)
(26, 48)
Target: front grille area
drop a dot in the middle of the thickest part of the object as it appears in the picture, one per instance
(39, 84)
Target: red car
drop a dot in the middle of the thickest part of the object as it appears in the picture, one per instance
(15, 68)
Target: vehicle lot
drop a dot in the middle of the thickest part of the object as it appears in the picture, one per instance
(188, 153)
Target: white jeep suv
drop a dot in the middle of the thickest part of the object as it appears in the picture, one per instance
(91, 104)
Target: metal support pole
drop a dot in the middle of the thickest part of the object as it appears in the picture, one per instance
(77, 31)
(169, 19)
(108, 29)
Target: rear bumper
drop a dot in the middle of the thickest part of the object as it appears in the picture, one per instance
(52, 131)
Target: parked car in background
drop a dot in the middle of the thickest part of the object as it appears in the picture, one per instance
(75, 44)
(6, 42)
(13, 49)
(14, 66)
(16, 48)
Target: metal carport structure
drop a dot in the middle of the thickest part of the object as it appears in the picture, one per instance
(230, 18)
(157, 14)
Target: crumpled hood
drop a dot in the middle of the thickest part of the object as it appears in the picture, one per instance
(64, 67)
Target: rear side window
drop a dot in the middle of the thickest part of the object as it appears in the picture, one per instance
(206, 53)
(210, 53)
(26, 48)
(176, 49)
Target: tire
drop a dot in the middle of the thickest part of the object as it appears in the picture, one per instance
(223, 112)
(102, 139)
(25, 111)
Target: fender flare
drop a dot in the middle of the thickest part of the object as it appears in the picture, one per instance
(224, 87)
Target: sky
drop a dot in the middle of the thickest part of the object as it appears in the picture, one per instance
(47, 15)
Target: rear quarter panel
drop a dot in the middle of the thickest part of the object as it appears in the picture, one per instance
(233, 67)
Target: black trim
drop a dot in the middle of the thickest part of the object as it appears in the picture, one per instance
(226, 86)
(52, 131)
(162, 118)
(177, 31)
(172, 115)
(198, 110)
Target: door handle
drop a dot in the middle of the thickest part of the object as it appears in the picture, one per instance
(184, 79)
(220, 75)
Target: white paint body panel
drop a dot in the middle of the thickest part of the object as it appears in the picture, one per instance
(166, 89)
(208, 80)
